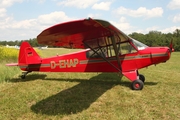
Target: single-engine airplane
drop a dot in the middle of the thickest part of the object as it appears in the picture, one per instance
(106, 49)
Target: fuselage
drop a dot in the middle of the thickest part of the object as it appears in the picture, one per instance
(80, 62)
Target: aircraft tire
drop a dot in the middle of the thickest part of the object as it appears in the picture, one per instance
(23, 76)
(141, 77)
(137, 85)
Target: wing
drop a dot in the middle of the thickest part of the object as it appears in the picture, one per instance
(73, 34)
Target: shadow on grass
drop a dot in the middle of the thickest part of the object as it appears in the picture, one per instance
(79, 97)
(30, 77)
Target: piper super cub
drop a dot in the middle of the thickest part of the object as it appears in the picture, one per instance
(106, 49)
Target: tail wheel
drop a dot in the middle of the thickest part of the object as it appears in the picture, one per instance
(141, 77)
(23, 76)
(137, 85)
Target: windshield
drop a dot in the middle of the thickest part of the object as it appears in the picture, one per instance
(139, 45)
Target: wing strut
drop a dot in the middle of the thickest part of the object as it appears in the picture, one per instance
(116, 52)
(104, 58)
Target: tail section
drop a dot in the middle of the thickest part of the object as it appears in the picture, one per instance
(28, 59)
(27, 55)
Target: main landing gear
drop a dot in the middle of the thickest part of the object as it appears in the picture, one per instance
(139, 83)
(141, 77)
(23, 76)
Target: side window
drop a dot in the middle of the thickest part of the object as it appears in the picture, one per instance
(126, 48)
(100, 51)
(107, 51)
(110, 51)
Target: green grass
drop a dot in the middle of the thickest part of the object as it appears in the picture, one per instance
(92, 96)
(6, 73)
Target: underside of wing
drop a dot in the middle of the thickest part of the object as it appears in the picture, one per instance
(73, 34)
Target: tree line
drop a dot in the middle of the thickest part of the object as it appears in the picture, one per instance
(152, 39)
(33, 42)
(156, 38)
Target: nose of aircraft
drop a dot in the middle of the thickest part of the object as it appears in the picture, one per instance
(160, 54)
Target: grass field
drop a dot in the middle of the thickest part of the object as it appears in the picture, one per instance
(92, 96)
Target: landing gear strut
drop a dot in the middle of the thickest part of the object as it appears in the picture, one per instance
(136, 78)
(23, 76)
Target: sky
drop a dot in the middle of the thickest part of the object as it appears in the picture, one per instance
(25, 19)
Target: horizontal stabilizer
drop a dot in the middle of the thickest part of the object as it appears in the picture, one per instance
(12, 64)
(27, 56)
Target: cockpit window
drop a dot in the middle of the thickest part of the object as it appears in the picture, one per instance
(108, 51)
(139, 45)
(126, 48)
(104, 47)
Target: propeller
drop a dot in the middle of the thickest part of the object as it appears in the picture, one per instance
(171, 46)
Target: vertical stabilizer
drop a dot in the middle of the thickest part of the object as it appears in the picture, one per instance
(27, 55)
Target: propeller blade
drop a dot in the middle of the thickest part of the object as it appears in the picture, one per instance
(171, 46)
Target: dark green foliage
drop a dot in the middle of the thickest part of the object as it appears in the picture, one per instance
(156, 38)
(33, 42)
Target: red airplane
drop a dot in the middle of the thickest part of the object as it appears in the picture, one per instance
(106, 49)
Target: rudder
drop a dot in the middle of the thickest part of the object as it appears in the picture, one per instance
(27, 55)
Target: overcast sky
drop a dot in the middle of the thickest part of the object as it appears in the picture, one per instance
(25, 19)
